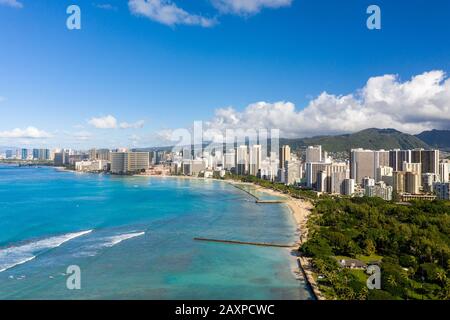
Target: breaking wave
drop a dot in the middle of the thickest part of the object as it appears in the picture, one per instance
(16, 255)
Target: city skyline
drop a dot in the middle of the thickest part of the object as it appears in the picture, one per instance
(409, 172)
(168, 73)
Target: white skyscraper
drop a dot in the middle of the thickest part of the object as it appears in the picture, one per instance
(242, 160)
(349, 187)
(380, 189)
(230, 160)
(285, 155)
(383, 172)
(368, 182)
(292, 172)
(255, 160)
(444, 171)
(321, 181)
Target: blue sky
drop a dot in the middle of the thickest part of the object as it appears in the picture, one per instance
(151, 75)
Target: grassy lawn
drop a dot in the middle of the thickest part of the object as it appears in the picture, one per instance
(342, 257)
(360, 275)
(371, 258)
(366, 259)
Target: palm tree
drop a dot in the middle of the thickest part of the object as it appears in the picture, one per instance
(392, 282)
(362, 295)
(441, 276)
(349, 294)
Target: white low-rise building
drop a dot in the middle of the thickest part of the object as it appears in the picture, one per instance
(91, 165)
(208, 174)
(380, 189)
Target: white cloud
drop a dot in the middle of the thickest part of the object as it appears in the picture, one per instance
(110, 122)
(27, 133)
(107, 122)
(412, 106)
(2, 99)
(243, 7)
(12, 3)
(167, 12)
(136, 125)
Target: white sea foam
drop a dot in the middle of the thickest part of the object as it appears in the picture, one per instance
(13, 256)
(107, 242)
(122, 237)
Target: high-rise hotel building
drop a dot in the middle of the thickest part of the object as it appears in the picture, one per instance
(255, 160)
(230, 160)
(129, 162)
(285, 155)
(406, 182)
(313, 154)
(444, 171)
(41, 154)
(242, 160)
(428, 158)
(99, 154)
(312, 173)
(397, 157)
(430, 161)
(364, 163)
(326, 177)
(414, 168)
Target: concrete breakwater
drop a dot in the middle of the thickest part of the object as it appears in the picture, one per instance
(262, 244)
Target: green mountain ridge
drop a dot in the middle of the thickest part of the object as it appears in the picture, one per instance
(436, 138)
(372, 138)
(368, 139)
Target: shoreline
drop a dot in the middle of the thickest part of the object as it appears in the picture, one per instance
(300, 210)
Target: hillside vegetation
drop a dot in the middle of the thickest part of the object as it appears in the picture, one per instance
(436, 138)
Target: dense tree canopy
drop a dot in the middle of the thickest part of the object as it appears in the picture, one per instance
(411, 241)
(280, 187)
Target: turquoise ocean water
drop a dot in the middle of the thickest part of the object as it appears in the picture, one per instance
(132, 238)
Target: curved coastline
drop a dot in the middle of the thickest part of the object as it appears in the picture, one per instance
(300, 210)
